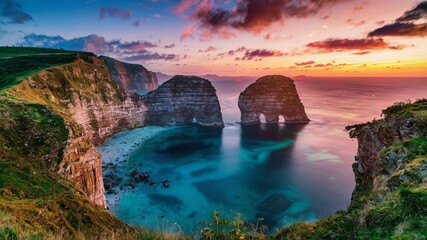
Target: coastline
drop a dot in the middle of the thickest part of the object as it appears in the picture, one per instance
(115, 152)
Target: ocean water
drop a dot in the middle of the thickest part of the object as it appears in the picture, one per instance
(282, 173)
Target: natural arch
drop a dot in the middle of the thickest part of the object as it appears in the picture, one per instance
(272, 96)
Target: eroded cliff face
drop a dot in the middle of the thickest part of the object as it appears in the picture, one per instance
(390, 198)
(273, 96)
(184, 100)
(132, 77)
(93, 107)
(373, 159)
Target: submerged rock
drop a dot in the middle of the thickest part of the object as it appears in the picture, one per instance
(273, 96)
(111, 180)
(184, 100)
(173, 203)
(274, 205)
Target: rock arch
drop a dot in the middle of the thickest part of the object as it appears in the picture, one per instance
(183, 100)
(272, 96)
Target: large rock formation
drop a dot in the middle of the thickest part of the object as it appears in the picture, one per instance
(273, 96)
(184, 100)
(132, 77)
(93, 107)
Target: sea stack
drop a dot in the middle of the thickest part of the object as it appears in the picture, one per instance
(273, 96)
(184, 100)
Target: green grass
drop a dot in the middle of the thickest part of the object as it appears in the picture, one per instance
(7, 233)
(23, 51)
(30, 130)
(18, 63)
(15, 70)
(406, 110)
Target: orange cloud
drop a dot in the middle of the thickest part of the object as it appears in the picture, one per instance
(347, 44)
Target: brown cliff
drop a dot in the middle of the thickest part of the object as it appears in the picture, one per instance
(132, 77)
(273, 96)
(93, 107)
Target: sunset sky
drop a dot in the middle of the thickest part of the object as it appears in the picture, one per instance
(232, 37)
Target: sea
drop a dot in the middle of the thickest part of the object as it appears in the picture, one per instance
(270, 174)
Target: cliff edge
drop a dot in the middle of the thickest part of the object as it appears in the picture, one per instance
(390, 198)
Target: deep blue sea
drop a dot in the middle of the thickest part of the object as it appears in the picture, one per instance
(282, 173)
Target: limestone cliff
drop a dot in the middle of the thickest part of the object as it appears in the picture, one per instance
(132, 77)
(93, 106)
(272, 96)
(184, 100)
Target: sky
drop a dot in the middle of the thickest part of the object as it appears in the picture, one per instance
(351, 38)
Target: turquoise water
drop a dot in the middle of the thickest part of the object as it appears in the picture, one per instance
(282, 173)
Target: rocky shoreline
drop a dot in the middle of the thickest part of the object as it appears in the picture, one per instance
(115, 153)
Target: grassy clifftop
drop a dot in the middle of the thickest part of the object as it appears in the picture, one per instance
(17, 63)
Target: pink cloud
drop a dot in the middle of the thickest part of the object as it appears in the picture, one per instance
(188, 32)
(184, 5)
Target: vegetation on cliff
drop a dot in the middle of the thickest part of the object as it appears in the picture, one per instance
(35, 201)
(392, 202)
(16, 63)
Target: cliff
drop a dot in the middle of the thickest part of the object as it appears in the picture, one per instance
(132, 77)
(55, 108)
(93, 107)
(184, 100)
(386, 146)
(390, 198)
(273, 96)
(35, 201)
